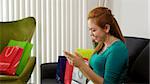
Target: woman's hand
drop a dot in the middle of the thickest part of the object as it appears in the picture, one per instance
(75, 59)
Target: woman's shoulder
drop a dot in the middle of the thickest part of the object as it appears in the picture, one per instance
(118, 51)
(118, 47)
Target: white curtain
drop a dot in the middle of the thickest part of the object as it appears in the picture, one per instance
(61, 25)
(105, 3)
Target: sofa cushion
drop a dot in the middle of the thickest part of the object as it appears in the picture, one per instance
(49, 81)
(140, 68)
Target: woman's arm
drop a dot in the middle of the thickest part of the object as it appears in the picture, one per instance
(85, 69)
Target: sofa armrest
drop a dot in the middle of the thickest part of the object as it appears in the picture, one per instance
(48, 70)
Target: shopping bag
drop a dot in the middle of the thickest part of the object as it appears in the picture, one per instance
(85, 53)
(61, 66)
(13, 66)
(77, 76)
(9, 59)
(25, 56)
(68, 73)
(73, 75)
(6, 57)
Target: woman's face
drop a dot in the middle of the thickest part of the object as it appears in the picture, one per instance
(97, 33)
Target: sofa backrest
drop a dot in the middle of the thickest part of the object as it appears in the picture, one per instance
(135, 46)
(48, 70)
(138, 58)
(140, 68)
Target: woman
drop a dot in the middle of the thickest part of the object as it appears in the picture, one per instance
(108, 64)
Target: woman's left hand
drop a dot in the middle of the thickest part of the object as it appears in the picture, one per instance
(75, 59)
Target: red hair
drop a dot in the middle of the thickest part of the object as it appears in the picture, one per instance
(103, 16)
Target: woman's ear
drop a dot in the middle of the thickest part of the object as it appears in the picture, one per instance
(107, 28)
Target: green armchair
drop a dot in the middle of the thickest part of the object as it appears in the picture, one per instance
(21, 30)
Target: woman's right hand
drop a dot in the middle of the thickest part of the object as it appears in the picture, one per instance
(75, 59)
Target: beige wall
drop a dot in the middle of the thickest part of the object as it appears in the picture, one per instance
(132, 16)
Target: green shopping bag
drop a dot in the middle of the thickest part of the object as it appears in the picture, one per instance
(25, 56)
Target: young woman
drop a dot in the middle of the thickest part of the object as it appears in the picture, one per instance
(108, 64)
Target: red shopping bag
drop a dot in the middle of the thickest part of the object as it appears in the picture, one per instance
(68, 73)
(12, 68)
(73, 75)
(6, 57)
(9, 60)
